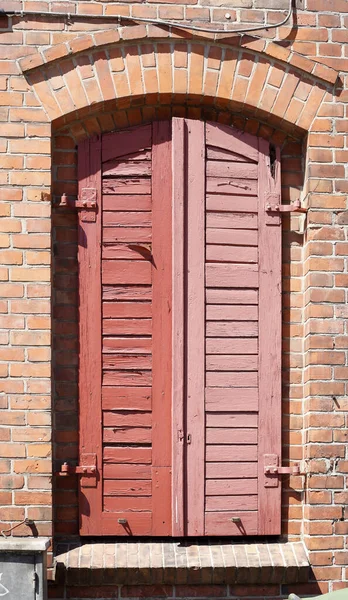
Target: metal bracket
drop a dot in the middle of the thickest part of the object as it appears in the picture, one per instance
(274, 208)
(86, 202)
(273, 471)
(87, 470)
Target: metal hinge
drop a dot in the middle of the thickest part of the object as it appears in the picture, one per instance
(87, 470)
(273, 470)
(86, 202)
(274, 209)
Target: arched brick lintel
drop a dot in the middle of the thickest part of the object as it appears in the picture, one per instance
(237, 78)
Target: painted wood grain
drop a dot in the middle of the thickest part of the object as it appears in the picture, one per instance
(128, 168)
(228, 379)
(225, 470)
(126, 398)
(126, 252)
(124, 455)
(136, 202)
(231, 419)
(127, 435)
(230, 362)
(126, 362)
(126, 142)
(127, 185)
(226, 275)
(129, 418)
(228, 138)
(229, 503)
(230, 220)
(229, 203)
(231, 452)
(225, 185)
(228, 487)
(133, 472)
(231, 329)
(231, 399)
(238, 237)
(126, 271)
(126, 219)
(231, 436)
(219, 523)
(221, 312)
(127, 345)
(127, 327)
(126, 292)
(231, 346)
(219, 168)
(127, 503)
(229, 253)
(213, 153)
(134, 235)
(138, 523)
(231, 296)
(124, 487)
(121, 310)
(128, 378)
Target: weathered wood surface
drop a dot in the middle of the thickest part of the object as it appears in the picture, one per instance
(231, 399)
(126, 455)
(126, 398)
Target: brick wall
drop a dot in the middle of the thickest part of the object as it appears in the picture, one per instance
(64, 79)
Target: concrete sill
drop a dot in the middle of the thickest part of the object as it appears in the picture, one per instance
(175, 562)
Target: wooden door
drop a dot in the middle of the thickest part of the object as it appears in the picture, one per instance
(180, 333)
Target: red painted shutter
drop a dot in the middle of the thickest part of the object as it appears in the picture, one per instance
(128, 412)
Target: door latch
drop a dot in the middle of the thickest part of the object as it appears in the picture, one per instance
(86, 202)
(87, 470)
(272, 470)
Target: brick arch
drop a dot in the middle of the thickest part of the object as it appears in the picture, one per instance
(102, 72)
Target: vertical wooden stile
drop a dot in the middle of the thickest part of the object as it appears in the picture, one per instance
(195, 326)
(269, 498)
(90, 373)
(162, 329)
(178, 385)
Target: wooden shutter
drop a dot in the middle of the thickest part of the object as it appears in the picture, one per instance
(180, 332)
(125, 335)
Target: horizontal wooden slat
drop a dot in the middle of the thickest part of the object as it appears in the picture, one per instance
(231, 436)
(228, 253)
(127, 168)
(229, 203)
(231, 399)
(125, 252)
(123, 186)
(127, 202)
(126, 271)
(235, 379)
(124, 487)
(230, 296)
(222, 136)
(128, 143)
(127, 435)
(231, 275)
(127, 327)
(114, 398)
(231, 419)
(230, 487)
(127, 471)
(126, 234)
(215, 503)
(222, 154)
(139, 523)
(239, 170)
(127, 345)
(238, 237)
(124, 455)
(127, 503)
(128, 378)
(231, 329)
(231, 346)
(247, 187)
(126, 292)
(121, 310)
(230, 220)
(231, 312)
(126, 219)
(230, 452)
(225, 470)
(129, 418)
(231, 362)
(219, 523)
(127, 362)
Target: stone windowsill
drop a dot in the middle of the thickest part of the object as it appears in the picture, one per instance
(175, 562)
